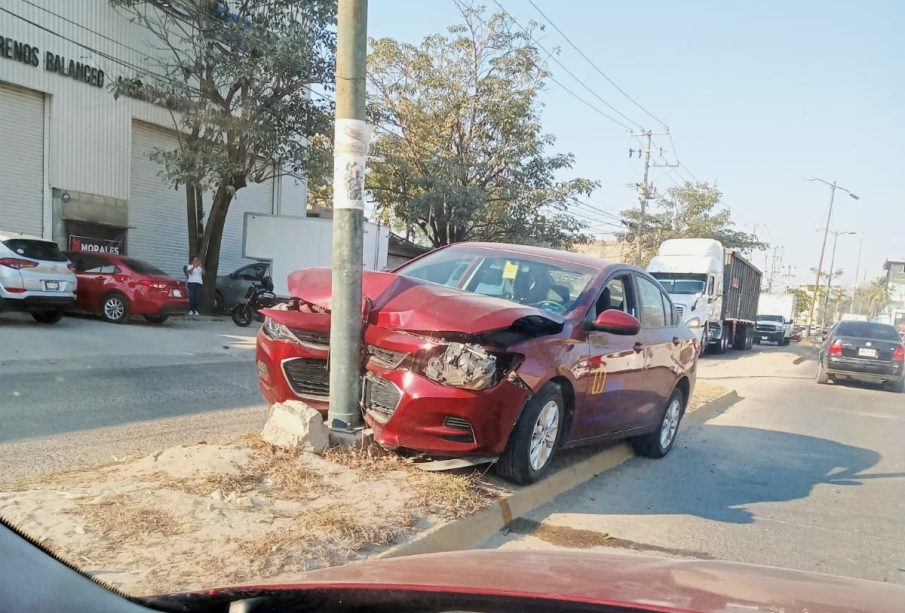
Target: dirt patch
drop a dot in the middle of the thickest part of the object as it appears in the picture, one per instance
(577, 538)
(203, 515)
(704, 392)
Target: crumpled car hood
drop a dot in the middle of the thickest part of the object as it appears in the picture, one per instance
(402, 303)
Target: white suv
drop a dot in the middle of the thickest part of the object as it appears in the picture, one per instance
(35, 277)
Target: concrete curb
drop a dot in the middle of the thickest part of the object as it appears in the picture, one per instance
(467, 532)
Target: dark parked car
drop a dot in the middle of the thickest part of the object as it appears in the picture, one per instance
(488, 351)
(863, 351)
(117, 287)
(232, 288)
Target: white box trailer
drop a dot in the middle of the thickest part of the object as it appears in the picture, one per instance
(291, 243)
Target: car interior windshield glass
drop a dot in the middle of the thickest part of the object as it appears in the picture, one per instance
(37, 250)
(552, 286)
(863, 329)
(143, 268)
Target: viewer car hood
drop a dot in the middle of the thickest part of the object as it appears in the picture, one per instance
(401, 303)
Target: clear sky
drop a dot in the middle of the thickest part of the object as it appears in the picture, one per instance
(758, 95)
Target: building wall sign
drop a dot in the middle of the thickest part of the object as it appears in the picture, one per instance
(30, 55)
(93, 245)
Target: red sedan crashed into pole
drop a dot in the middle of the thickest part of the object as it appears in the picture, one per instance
(495, 352)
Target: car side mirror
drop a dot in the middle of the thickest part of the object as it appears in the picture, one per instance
(615, 321)
(233, 276)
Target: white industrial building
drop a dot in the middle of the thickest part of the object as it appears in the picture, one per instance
(74, 160)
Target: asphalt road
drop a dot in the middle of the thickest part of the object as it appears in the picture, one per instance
(84, 392)
(794, 475)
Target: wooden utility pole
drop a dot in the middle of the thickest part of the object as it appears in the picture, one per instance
(350, 152)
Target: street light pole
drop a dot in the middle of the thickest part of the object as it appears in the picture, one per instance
(829, 276)
(857, 270)
(829, 216)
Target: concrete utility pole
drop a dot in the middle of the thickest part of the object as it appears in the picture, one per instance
(829, 276)
(349, 157)
(644, 188)
(826, 230)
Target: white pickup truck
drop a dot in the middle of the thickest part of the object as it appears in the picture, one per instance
(774, 318)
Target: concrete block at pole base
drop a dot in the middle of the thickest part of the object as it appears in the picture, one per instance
(295, 426)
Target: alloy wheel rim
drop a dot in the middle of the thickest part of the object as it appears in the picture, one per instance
(114, 308)
(670, 424)
(543, 436)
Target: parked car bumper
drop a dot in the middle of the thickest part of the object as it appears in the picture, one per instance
(35, 301)
(405, 410)
(156, 302)
(871, 371)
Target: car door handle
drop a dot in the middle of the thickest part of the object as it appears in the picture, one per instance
(638, 347)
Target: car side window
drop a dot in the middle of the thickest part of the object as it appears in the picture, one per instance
(616, 294)
(653, 313)
(672, 316)
(260, 270)
(94, 264)
(249, 273)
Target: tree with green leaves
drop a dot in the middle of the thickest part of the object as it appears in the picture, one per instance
(236, 77)
(462, 155)
(690, 210)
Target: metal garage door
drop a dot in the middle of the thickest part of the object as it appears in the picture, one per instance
(22, 160)
(157, 211)
(157, 223)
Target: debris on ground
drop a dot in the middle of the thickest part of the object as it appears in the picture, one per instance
(295, 426)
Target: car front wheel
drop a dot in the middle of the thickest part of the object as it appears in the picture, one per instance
(657, 444)
(534, 438)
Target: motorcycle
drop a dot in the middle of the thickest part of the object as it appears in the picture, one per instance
(257, 297)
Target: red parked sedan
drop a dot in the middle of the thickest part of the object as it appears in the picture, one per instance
(487, 351)
(118, 287)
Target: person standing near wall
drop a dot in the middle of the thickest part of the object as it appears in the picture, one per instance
(195, 274)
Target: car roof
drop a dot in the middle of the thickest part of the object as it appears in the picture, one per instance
(546, 253)
(4, 235)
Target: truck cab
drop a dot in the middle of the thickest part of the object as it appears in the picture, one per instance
(691, 272)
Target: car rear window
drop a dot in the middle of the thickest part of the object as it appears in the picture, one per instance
(143, 268)
(36, 250)
(863, 329)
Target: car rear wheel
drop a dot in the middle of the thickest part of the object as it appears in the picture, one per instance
(48, 317)
(115, 308)
(156, 319)
(822, 377)
(658, 443)
(534, 438)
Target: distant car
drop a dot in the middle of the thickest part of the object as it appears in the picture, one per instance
(35, 277)
(118, 287)
(232, 288)
(863, 351)
(481, 351)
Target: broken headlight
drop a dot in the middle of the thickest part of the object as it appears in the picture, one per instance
(277, 331)
(462, 365)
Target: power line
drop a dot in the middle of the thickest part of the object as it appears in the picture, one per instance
(106, 56)
(84, 27)
(571, 74)
(597, 68)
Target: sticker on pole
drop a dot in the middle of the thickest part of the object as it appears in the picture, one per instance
(350, 152)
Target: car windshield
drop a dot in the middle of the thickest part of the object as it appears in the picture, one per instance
(863, 329)
(549, 284)
(776, 318)
(681, 285)
(37, 250)
(143, 268)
